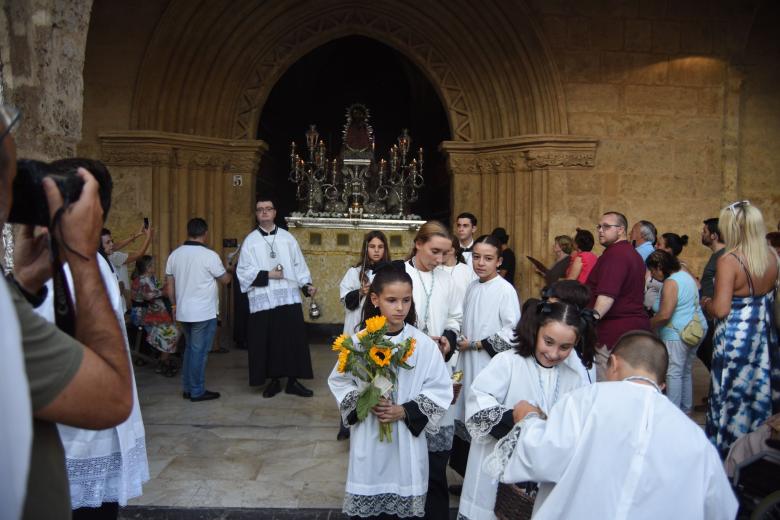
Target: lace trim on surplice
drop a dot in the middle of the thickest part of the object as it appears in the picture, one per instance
(495, 463)
(499, 344)
(387, 503)
(432, 411)
(347, 406)
(480, 424)
(442, 439)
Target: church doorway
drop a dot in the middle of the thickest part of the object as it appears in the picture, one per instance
(318, 88)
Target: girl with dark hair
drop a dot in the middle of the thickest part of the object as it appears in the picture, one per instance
(582, 259)
(533, 371)
(461, 272)
(354, 286)
(150, 312)
(390, 479)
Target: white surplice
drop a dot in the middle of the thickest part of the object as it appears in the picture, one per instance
(104, 465)
(507, 379)
(438, 309)
(618, 450)
(255, 256)
(491, 311)
(392, 477)
(15, 411)
(349, 283)
(462, 276)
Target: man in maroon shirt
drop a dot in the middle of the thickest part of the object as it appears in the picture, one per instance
(617, 285)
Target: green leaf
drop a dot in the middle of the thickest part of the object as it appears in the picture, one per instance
(367, 400)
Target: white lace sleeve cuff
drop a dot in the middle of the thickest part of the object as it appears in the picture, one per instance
(499, 344)
(348, 405)
(431, 410)
(495, 463)
(480, 424)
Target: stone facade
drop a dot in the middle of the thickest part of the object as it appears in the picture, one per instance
(676, 101)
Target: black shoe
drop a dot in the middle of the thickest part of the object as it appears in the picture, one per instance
(185, 395)
(294, 387)
(206, 396)
(273, 388)
(455, 489)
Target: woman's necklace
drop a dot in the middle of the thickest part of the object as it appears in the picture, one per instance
(644, 380)
(428, 295)
(272, 254)
(546, 403)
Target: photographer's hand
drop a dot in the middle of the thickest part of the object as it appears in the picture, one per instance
(79, 227)
(32, 266)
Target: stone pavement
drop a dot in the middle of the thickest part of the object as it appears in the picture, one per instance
(244, 451)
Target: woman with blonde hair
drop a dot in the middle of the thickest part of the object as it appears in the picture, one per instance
(745, 371)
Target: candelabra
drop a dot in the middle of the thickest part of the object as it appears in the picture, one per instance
(310, 174)
(404, 177)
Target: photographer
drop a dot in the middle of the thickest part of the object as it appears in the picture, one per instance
(83, 382)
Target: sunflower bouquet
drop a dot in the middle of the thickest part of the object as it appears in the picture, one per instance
(375, 361)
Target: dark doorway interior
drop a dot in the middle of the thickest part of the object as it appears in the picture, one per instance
(319, 87)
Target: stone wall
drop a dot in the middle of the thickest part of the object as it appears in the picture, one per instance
(656, 83)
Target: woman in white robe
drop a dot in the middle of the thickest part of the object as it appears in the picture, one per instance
(535, 371)
(439, 314)
(391, 478)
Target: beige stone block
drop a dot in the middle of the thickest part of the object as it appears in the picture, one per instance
(581, 66)
(627, 157)
(696, 71)
(583, 183)
(638, 35)
(666, 36)
(554, 28)
(593, 97)
(615, 66)
(585, 123)
(652, 8)
(693, 158)
(578, 33)
(660, 99)
(606, 34)
(711, 101)
(648, 69)
(696, 36)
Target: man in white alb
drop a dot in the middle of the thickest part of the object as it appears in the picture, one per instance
(273, 273)
(465, 230)
(617, 449)
(192, 273)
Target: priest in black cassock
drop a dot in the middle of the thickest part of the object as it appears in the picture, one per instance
(273, 273)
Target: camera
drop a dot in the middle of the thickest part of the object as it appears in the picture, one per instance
(30, 205)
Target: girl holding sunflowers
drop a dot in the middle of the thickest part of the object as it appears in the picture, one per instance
(389, 479)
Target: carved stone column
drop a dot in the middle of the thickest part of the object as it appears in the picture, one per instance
(505, 182)
(172, 178)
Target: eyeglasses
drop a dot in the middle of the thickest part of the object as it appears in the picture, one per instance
(9, 116)
(733, 207)
(264, 210)
(599, 227)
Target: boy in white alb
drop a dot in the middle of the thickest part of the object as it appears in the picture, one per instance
(192, 272)
(617, 449)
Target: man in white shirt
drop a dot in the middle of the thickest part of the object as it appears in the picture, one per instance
(465, 229)
(192, 272)
(120, 260)
(273, 273)
(617, 449)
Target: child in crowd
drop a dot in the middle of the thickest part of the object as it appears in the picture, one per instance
(533, 371)
(390, 479)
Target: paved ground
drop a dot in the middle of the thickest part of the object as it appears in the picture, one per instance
(244, 451)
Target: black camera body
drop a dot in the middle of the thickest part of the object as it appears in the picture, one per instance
(30, 205)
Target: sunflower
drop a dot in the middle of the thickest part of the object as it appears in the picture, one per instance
(362, 334)
(381, 356)
(338, 344)
(408, 354)
(376, 323)
(343, 359)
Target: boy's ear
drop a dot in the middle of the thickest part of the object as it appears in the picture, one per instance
(374, 299)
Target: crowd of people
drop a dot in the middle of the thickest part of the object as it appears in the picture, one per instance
(564, 393)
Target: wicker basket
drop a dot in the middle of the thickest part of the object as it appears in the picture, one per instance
(513, 503)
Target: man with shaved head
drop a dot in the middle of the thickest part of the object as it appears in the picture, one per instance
(617, 449)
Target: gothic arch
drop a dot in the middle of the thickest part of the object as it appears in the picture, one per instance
(210, 66)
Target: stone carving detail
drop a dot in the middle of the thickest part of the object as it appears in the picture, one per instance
(241, 165)
(309, 34)
(560, 159)
(129, 157)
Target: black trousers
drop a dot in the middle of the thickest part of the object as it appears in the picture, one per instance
(437, 502)
(706, 348)
(106, 511)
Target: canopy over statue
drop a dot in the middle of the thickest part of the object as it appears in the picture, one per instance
(354, 185)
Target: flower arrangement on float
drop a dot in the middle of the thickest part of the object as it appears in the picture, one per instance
(375, 361)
